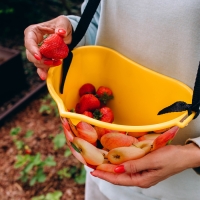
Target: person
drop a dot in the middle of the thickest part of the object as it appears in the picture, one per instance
(165, 37)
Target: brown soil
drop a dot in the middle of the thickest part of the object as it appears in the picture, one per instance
(44, 126)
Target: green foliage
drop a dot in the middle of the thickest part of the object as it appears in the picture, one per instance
(50, 196)
(64, 173)
(49, 106)
(78, 174)
(19, 144)
(59, 141)
(30, 163)
(29, 133)
(32, 167)
(45, 109)
(67, 153)
(15, 131)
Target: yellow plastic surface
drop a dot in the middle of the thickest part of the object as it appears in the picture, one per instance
(139, 93)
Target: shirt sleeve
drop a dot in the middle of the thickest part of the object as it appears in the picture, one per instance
(197, 142)
(90, 36)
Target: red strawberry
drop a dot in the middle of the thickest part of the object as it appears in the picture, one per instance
(104, 94)
(88, 102)
(27, 150)
(87, 88)
(88, 113)
(53, 47)
(104, 114)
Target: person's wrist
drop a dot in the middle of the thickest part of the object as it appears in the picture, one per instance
(193, 140)
(192, 153)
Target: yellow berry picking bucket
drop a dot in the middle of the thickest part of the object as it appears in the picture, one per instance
(139, 94)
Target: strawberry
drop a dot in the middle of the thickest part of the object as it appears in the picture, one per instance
(88, 113)
(88, 102)
(104, 114)
(27, 150)
(87, 88)
(104, 94)
(53, 47)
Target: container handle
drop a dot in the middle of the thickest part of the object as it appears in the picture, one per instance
(185, 121)
(180, 106)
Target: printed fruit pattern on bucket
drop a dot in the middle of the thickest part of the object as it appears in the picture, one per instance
(104, 149)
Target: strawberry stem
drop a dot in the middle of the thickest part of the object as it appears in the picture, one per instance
(97, 114)
(105, 98)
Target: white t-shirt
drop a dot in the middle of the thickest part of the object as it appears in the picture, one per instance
(163, 36)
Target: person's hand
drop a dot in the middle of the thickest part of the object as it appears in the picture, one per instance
(33, 35)
(154, 167)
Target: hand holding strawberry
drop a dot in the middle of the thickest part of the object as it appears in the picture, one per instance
(53, 47)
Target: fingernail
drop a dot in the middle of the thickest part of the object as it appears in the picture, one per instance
(37, 57)
(61, 31)
(57, 62)
(48, 62)
(42, 77)
(119, 169)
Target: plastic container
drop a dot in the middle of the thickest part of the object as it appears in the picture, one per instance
(139, 94)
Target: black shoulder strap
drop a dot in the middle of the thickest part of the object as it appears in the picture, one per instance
(196, 94)
(183, 106)
(81, 28)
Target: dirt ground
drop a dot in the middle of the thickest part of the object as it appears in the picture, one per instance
(44, 128)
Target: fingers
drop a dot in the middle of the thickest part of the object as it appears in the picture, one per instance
(142, 172)
(42, 69)
(116, 179)
(142, 164)
(42, 73)
(43, 65)
(150, 169)
(33, 34)
(143, 179)
(64, 28)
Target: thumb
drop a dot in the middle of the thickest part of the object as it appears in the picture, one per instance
(64, 29)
